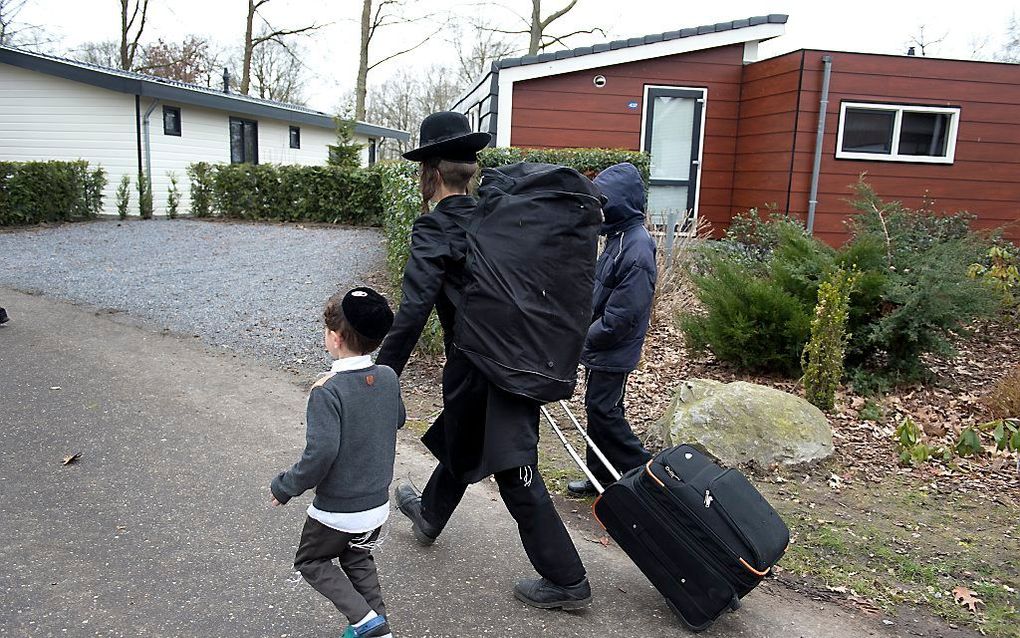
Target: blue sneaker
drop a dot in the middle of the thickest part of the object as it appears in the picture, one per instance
(375, 628)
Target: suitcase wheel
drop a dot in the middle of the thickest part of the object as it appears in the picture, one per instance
(735, 603)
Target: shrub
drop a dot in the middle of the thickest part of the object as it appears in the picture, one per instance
(173, 197)
(823, 369)
(200, 175)
(327, 194)
(144, 197)
(346, 153)
(999, 272)
(1003, 402)
(34, 192)
(750, 321)
(588, 161)
(123, 195)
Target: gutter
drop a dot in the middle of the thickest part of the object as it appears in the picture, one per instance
(148, 145)
(816, 169)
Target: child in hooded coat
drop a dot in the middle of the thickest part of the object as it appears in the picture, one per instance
(625, 278)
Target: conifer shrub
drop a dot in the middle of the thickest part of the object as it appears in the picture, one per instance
(824, 354)
(173, 197)
(123, 196)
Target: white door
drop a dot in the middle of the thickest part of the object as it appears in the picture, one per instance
(672, 135)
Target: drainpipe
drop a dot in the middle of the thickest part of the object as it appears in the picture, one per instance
(822, 107)
(148, 146)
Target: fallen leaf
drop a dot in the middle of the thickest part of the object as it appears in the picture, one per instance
(71, 458)
(54, 387)
(964, 596)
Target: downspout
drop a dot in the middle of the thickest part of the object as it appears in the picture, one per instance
(148, 146)
(816, 169)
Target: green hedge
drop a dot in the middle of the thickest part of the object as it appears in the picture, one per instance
(588, 161)
(34, 192)
(286, 193)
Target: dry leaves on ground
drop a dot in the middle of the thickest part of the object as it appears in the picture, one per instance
(71, 458)
(965, 597)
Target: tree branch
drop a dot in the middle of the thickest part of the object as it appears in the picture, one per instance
(399, 53)
(280, 33)
(559, 39)
(559, 14)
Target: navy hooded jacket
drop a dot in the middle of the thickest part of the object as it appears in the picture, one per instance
(624, 276)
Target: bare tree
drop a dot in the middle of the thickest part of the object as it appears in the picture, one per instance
(1010, 51)
(478, 48)
(276, 72)
(267, 34)
(402, 101)
(923, 42)
(376, 14)
(192, 60)
(537, 28)
(100, 53)
(129, 41)
(15, 33)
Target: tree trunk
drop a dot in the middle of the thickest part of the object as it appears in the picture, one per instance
(125, 62)
(536, 27)
(361, 87)
(246, 62)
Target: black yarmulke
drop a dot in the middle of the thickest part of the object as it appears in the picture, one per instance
(368, 312)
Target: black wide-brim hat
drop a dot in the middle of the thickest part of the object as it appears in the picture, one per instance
(447, 135)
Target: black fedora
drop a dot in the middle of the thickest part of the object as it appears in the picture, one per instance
(447, 135)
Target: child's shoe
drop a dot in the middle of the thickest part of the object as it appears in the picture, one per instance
(374, 628)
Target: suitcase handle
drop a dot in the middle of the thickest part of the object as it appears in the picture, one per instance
(573, 453)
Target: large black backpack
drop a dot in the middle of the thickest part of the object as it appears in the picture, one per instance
(526, 306)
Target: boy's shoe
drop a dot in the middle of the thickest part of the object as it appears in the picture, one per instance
(375, 628)
(3, 316)
(584, 487)
(409, 503)
(545, 594)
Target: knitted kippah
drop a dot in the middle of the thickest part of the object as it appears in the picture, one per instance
(367, 312)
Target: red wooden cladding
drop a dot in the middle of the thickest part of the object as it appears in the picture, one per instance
(761, 122)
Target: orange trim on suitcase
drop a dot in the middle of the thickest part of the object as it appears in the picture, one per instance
(648, 469)
(595, 514)
(753, 570)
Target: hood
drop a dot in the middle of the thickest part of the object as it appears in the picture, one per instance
(625, 191)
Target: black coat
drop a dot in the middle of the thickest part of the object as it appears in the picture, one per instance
(482, 429)
(624, 275)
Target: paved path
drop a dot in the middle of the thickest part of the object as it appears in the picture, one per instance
(163, 527)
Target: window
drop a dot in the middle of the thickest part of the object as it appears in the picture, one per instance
(171, 120)
(371, 151)
(897, 133)
(295, 137)
(244, 141)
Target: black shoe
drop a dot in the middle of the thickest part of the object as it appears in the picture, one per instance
(409, 503)
(544, 594)
(3, 316)
(581, 488)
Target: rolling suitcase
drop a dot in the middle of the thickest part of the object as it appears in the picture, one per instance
(702, 534)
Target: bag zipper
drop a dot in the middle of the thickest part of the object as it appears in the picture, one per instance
(708, 497)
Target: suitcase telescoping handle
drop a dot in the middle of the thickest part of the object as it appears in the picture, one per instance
(573, 453)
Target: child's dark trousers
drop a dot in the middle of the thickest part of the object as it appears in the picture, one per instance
(353, 587)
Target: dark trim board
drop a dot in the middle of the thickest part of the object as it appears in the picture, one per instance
(138, 130)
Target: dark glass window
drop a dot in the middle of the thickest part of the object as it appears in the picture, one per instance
(924, 134)
(868, 131)
(171, 120)
(244, 141)
(295, 137)
(371, 152)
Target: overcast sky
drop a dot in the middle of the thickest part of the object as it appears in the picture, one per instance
(876, 26)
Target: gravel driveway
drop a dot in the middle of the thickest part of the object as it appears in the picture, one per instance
(255, 288)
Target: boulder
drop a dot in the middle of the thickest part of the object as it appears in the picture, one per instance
(743, 423)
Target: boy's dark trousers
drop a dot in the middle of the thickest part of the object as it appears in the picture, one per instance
(608, 427)
(353, 587)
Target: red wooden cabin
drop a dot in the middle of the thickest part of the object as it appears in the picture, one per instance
(728, 132)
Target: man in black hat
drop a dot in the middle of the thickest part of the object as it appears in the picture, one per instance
(482, 429)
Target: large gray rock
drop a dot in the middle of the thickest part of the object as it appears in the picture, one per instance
(744, 423)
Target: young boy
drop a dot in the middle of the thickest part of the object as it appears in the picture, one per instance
(352, 418)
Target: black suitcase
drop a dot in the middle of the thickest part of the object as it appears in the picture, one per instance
(702, 534)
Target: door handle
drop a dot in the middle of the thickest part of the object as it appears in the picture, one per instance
(696, 162)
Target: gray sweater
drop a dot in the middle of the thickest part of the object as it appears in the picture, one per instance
(353, 418)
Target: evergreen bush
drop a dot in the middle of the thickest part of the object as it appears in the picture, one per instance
(123, 195)
(34, 192)
(587, 161)
(144, 197)
(200, 176)
(346, 153)
(173, 196)
(823, 356)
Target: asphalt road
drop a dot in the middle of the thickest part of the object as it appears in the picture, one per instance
(163, 528)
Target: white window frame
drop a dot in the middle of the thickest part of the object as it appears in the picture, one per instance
(894, 155)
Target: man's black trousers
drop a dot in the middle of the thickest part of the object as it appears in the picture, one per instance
(545, 539)
(608, 427)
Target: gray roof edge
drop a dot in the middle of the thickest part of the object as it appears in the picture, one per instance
(183, 93)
